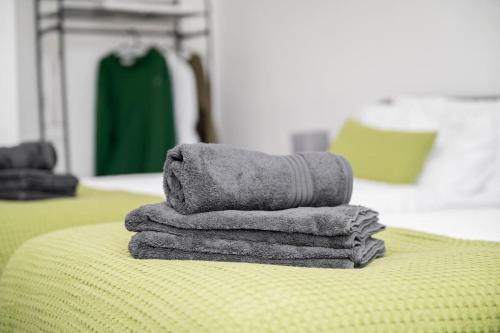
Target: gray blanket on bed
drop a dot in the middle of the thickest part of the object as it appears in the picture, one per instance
(209, 177)
(335, 227)
(159, 245)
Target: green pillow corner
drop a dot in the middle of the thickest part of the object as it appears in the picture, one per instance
(383, 155)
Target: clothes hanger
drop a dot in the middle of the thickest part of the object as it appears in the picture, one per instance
(134, 48)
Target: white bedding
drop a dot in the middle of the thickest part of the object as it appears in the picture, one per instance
(405, 206)
(148, 183)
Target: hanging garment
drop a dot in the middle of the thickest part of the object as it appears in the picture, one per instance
(135, 122)
(205, 126)
(185, 98)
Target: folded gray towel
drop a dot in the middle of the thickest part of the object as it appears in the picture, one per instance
(31, 195)
(29, 155)
(334, 227)
(208, 177)
(159, 245)
(32, 184)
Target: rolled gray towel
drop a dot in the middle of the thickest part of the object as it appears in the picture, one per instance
(29, 155)
(334, 227)
(209, 177)
(158, 245)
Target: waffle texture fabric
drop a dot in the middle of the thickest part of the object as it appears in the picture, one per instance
(84, 280)
(20, 221)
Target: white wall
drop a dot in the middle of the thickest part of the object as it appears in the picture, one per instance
(291, 65)
(19, 118)
(9, 116)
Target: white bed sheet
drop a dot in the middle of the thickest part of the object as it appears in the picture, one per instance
(148, 183)
(474, 224)
(404, 206)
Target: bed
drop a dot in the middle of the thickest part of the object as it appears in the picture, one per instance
(83, 279)
(441, 273)
(21, 221)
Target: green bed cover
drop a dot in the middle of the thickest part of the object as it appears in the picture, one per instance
(83, 280)
(22, 220)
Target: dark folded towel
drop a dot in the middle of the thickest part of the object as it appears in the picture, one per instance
(334, 227)
(209, 177)
(159, 245)
(31, 184)
(28, 195)
(29, 155)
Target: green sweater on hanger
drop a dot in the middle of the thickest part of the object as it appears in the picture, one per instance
(134, 115)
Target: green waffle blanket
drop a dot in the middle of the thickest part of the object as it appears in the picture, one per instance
(20, 221)
(84, 280)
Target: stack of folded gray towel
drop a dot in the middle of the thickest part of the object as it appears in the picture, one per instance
(229, 204)
(26, 173)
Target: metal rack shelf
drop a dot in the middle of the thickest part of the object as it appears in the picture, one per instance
(60, 21)
(79, 13)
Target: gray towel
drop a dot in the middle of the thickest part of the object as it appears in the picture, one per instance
(31, 195)
(29, 155)
(33, 184)
(158, 245)
(334, 227)
(209, 177)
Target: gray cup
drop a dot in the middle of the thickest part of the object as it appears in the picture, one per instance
(310, 141)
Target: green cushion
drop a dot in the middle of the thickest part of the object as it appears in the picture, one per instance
(84, 280)
(22, 220)
(380, 155)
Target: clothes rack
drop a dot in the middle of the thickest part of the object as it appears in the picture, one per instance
(59, 21)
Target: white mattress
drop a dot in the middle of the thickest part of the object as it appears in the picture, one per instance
(404, 206)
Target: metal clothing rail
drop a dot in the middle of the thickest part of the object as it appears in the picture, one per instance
(142, 32)
(55, 21)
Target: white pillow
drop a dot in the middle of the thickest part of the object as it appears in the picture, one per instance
(492, 109)
(462, 159)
